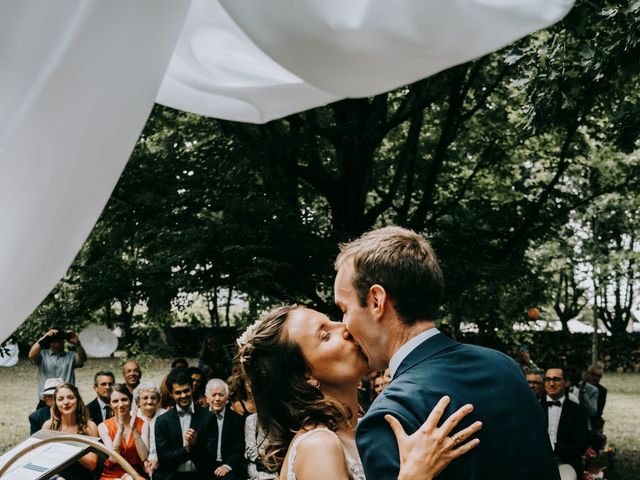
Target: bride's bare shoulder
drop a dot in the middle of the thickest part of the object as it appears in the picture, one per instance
(320, 455)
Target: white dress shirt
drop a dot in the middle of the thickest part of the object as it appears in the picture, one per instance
(554, 419)
(103, 407)
(220, 420)
(185, 423)
(409, 347)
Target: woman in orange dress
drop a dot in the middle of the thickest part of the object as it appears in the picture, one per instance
(125, 433)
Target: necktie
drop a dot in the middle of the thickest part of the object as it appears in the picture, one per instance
(554, 402)
(107, 412)
(220, 416)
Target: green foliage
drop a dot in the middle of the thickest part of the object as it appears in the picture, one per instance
(499, 161)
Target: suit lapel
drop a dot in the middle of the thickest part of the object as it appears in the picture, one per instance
(424, 351)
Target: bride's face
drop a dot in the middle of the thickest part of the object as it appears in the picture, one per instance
(333, 357)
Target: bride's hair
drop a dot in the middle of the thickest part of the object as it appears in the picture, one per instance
(285, 402)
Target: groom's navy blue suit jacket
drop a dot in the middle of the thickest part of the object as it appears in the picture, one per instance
(514, 443)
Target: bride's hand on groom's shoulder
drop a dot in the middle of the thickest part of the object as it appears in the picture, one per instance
(430, 449)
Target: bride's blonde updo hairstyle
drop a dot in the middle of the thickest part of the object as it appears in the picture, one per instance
(285, 401)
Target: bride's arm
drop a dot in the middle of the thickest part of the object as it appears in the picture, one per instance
(320, 456)
(430, 449)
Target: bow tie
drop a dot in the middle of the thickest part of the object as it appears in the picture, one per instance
(182, 413)
(220, 416)
(557, 403)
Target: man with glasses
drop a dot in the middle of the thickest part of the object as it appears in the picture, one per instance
(99, 409)
(567, 425)
(536, 384)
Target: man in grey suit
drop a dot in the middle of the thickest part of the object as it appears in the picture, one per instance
(389, 286)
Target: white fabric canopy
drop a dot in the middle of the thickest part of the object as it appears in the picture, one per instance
(78, 79)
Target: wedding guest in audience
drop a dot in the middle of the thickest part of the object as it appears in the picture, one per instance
(99, 409)
(197, 385)
(536, 384)
(241, 396)
(213, 357)
(53, 361)
(42, 414)
(69, 415)
(580, 391)
(180, 363)
(132, 374)
(255, 443)
(364, 395)
(147, 397)
(124, 433)
(379, 383)
(594, 375)
(186, 436)
(230, 451)
(567, 425)
(166, 400)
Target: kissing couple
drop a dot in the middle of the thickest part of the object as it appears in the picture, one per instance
(304, 370)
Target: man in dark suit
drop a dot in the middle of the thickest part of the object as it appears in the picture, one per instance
(42, 414)
(567, 425)
(99, 409)
(186, 436)
(230, 452)
(388, 286)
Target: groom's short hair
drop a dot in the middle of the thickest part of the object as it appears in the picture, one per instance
(403, 263)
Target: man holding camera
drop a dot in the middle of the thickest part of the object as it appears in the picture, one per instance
(52, 359)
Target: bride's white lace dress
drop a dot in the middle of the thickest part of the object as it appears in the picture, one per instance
(354, 466)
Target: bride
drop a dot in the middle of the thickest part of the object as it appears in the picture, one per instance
(304, 370)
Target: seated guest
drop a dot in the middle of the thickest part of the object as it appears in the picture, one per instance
(364, 396)
(179, 363)
(69, 415)
(123, 433)
(132, 373)
(582, 392)
(594, 375)
(241, 396)
(166, 400)
(214, 358)
(379, 383)
(42, 414)
(535, 380)
(186, 436)
(567, 425)
(99, 409)
(197, 385)
(254, 450)
(230, 452)
(146, 396)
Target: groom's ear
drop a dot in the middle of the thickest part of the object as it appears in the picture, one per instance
(377, 298)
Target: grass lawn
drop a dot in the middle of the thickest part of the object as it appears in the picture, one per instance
(18, 399)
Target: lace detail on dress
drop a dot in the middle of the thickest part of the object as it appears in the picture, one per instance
(355, 467)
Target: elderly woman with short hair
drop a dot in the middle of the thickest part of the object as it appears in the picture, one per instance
(147, 397)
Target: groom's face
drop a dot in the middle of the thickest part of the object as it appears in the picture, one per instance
(356, 318)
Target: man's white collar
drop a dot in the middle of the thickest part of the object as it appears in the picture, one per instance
(408, 347)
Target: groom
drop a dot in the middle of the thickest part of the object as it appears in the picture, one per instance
(389, 286)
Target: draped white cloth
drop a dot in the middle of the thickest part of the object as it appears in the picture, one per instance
(79, 77)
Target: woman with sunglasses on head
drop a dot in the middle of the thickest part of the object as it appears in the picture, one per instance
(304, 370)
